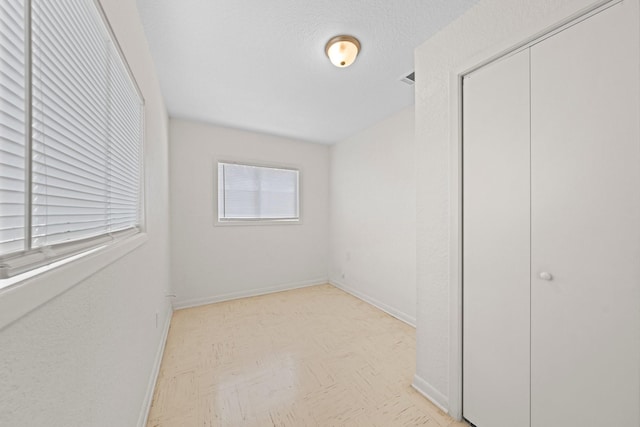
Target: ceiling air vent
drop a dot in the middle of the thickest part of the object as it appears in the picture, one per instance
(409, 79)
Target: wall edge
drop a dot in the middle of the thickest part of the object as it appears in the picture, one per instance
(409, 320)
(151, 386)
(430, 392)
(196, 302)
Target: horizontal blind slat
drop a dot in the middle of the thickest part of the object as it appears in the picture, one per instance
(84, 188)
(12, 126)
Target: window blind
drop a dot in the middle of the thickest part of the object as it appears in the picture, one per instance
(248, 192)
(85, 125)
(12, 126)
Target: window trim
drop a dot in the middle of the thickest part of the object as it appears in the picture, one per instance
(15, 267)
(234, 222)
(116, 44)
(142, 197)
(25, 292)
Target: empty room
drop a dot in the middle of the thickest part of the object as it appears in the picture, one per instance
(319, 213)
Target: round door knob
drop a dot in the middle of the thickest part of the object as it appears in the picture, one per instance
(546, 276)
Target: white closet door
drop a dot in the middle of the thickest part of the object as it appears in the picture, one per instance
(586, 223)
(496, 252)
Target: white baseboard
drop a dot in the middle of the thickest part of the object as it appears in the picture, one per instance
(409, 320)
(428, 391)
(245, 294)
(148, 398)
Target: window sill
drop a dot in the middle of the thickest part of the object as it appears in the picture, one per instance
(25, 292)
(258, 222)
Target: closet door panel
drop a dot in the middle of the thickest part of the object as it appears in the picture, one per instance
(585, 141)
(496, 255)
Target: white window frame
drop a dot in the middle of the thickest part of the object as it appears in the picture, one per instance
(253, 221)
(24, 266)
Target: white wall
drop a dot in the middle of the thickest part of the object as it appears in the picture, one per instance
(372, 215)
(486, 29)
(86, 357)
(217, 262)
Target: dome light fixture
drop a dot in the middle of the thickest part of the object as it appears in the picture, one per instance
(342, 50)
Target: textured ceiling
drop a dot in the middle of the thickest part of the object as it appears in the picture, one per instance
(260, 65)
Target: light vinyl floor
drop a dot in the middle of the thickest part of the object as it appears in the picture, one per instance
(315, 356)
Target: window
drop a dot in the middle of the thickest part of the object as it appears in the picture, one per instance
(71, 133)
(256, 193)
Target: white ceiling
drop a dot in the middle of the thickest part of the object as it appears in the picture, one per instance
(260, 64)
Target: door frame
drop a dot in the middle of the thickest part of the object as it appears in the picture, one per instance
(554, 23)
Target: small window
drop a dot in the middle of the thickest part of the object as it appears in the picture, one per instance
(257, 193)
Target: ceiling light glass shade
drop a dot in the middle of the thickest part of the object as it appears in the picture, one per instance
(342, 50)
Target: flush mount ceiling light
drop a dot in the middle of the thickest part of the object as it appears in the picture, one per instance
(342, 50)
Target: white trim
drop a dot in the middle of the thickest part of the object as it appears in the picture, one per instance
(430, 392)
(148, 398)
(518, 44)
(554, 23)
(30, 293)
(257, 221)
(404, 317)
(12, 266)
(454, 400)
(196, 302)
(116, 43)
